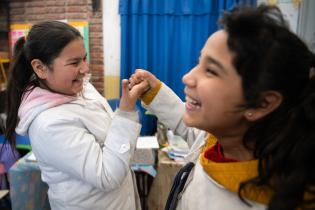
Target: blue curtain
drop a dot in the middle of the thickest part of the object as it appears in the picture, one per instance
(166, 36)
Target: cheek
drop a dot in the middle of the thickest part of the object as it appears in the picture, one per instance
(67, 75)
(217, 102)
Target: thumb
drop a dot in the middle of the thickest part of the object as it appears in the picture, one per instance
(125, 103)
(124, 88)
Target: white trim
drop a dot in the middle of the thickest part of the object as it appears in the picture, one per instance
(111, 37)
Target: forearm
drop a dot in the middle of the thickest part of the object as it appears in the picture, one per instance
(169, 109)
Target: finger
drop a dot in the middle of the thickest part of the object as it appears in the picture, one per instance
(139, 70)
(124, 88)
(134, 79)
(126, 104)
(139, 89)
(146, 75)
(130, 84)
(140, 74)
(131, 80)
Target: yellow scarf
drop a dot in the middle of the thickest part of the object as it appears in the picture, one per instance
(231, 174)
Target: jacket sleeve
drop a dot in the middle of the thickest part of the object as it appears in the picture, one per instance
(169, 109)
(69, 148)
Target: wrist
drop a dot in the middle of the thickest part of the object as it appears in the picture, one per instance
(149, 95)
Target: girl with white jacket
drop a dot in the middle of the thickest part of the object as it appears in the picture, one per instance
(83, 149)
(249, 117)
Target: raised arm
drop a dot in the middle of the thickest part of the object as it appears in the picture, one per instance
(165, 104)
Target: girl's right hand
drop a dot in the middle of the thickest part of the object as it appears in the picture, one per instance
(129, 96)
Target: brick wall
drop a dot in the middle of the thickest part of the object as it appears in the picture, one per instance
(4, 43)
(32, 11)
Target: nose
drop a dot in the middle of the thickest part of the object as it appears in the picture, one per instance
(189, 79)
(84, 67)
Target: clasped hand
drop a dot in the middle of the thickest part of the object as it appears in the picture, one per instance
(139, 83)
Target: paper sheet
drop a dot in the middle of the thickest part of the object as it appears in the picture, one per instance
(147, 142)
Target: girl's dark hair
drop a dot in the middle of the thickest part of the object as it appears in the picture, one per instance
(45, 41)
(268, 56)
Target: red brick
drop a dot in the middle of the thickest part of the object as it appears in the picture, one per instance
(96, 48)
(95, 40)
(98, 84)
(55, 16)
(97, 68)
(17, 4)
(56, 9)
(99, 79)
(34, 4)
(17, 11)
(18, 19)
(95, 61)
(34, 17)
(76, 16)
(95, 20)
(95, 34)
(76, 2)
(96, 14)
(96, 54)
(99, 74)
(35, 10)
(96, 27)
(55, 3)
(77, 9)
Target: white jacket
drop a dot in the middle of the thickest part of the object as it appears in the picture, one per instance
(83, 149)
(201, 191)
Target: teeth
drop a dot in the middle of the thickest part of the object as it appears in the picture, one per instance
(191, 101)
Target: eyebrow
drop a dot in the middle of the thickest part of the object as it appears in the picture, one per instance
(211, 60)
(76, 58)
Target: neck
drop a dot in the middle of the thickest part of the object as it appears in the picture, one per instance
(233, 148)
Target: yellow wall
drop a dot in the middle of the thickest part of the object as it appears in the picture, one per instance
(111, 86)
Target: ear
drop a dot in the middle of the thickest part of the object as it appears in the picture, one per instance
(39, 68)
(270, 101)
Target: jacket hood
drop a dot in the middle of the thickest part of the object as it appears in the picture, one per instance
(34, 102)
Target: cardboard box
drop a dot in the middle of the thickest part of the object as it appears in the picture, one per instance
(143, 156)
(145, 150)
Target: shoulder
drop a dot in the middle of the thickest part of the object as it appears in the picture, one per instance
(63, 113)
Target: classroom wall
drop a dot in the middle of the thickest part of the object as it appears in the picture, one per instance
(32, 11)
(300, 16)
(306, 27)
(289, 8)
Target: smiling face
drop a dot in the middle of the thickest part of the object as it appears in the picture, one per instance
(65, 75)
(214, 91)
